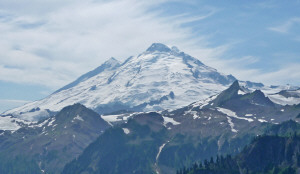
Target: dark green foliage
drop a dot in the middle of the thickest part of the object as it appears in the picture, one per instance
(140, 147)
(184, 150)
(192, 140)
(267, 152)
(284, 129)
(265, 155)
(116, 152)
(224, 165)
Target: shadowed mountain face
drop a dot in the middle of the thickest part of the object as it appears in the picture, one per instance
(150, 142)
(55, 141)
(157, 79)
(223, 124)
(128, 148)
(155, 143)
(189, 134)
(235, 93)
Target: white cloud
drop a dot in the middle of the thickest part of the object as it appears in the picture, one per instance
(285, 27)
(53, 42)
(287, 74)
(241, 67)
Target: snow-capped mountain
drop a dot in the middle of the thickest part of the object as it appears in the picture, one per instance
(240, 104)
(282, 94)
(225, 124)
(221, 124)
(159, 78)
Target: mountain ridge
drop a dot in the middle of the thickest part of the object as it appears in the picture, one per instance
(170, 138)
(159, 78)
(54, 141)
(141, 80)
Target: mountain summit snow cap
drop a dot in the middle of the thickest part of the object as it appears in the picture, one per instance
(175, 49)
(158, 47)
(112, 62)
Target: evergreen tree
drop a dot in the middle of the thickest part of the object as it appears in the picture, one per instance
(206, 164)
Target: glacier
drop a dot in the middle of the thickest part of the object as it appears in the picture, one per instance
(160, 78)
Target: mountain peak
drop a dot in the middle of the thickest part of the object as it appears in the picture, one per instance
(175, 49)
(235, 85)
(259, 97)
(228, 94)
(147, 82)
(112, 62)
(158, 47)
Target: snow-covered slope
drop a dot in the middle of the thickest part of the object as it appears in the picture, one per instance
(159, 78)
(286, 97)
(282, 94)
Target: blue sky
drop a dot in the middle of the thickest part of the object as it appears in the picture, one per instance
(46, 44)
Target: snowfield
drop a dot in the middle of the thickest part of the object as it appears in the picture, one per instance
(160, 78)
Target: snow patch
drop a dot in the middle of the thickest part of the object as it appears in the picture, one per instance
(126, 131)
(32, 116)
(232, 114)
(78, 118)
(231, 124)
(159, 150)
(51, 122)
(204, 102)
(281, 100)
(170, 120)
(116, 118)
(240, 92)
(194, 113)
(157, 156)
(112, 118)
(40, 124)
(262, 120)
(8, 123)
